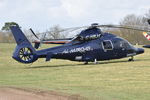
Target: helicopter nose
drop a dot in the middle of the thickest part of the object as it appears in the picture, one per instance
(140, 51)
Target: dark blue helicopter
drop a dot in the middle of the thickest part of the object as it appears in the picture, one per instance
(91, 45)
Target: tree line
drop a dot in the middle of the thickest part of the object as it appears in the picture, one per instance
(135, 37)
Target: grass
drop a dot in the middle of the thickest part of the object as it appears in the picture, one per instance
(110, 80)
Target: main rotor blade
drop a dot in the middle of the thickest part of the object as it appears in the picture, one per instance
(34, 34)
(124, 27)
(129, 27)
(70, 29)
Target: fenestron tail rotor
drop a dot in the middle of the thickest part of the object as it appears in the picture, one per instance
(26, 54)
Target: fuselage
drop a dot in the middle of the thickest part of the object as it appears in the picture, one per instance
(90, 45)
(106, 47)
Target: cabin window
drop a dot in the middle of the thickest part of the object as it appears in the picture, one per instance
(107, 45)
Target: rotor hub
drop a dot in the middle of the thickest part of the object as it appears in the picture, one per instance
(94, 25)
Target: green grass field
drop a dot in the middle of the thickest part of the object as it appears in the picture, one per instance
(110, 80)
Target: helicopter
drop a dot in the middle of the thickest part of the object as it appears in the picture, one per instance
(147, 36)
(90, 45)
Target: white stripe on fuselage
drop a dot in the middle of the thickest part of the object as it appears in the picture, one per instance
(79, 49)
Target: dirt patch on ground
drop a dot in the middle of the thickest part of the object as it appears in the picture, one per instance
(11, 93)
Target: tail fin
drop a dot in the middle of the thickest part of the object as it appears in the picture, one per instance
(19, 36)
(24, 52)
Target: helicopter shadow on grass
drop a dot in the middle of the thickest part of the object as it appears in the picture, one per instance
(71, 65)
(52, 66)
(125, 60)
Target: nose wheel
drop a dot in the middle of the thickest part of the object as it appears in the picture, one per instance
(131, 59)
(85, 63)
(95, 62)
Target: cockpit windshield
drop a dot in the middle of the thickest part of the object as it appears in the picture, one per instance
(124, 43)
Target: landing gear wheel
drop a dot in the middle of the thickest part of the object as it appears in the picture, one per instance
(95, 61)
(86, 62)
(131, 59)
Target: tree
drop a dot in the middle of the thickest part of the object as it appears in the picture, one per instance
(132, 35)
(55, 33)
(6, 37)
(147, 15)
(8, 24)
(5, 34)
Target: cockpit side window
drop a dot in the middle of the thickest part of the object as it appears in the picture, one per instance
(107, 45)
